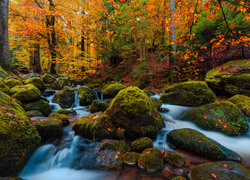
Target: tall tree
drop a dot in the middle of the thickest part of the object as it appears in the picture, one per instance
(172, 32)
(4, 42)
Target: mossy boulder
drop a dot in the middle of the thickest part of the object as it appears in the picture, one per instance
(232, 78)
(140, 144)
(151, 159)
(12, 82)
(97, 106)
(26, 93)
(64, 81)
(65, 98)
(196, 142)
(243, 102)
(224, 117)
(62, 118)
(131, 158)
(39, 105)
(190, 93)
(37, 81)
(86, 95)
(48, 78)
(112, 90)
(134, 111)
(95, 126)
(157, 103)
(18, 137)
(34, 113)
(220, 170)
(48, 128)
(3, 87)
(174, 159)
(66, 112)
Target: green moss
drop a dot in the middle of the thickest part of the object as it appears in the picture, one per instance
(95, 126)
(112, 90)
(97, 106)
(26, 93)
(34, 113)
(178, 178)
(142, 143)
(224, 117)
(220, 170)
(131, 158)
(151, 159)
(65, 98)
(48, 79)
(12, 82)
(174, 159)
(157, 103)
(62, 118)
(3, 87)
(48, 129)
(86, 95)
(120, 133)
(190, 93)
(243, 102)
(37, 81)
(66, 112)
(18, 137)
(40, 105)
(134, 111)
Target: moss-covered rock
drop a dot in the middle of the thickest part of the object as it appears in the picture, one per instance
(26, 93)
(37, 81)
(134, 111)
(94, 126)
(142, 143)
(18, 137)
(3, 87)
(174, 159)
(66, 112)
(48, 79)
(12, 82)
(112, 90)
(62, 118)
(131, 158)
(39, 105)
(220, 170)
(190, 93)
(178, 178)
(196, 142)
(97, 106)
(151, 159)
(232, 77)
(157, 103)
(48, 128)
(86, 95)
(223, 116)
(64, 81)
(34, 113)
(65, 98)
(243, 102)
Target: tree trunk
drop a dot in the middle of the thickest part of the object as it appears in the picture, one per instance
(172, 33)
(35, 58)
(4, 41)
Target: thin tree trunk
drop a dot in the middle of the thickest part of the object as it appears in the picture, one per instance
(4, 41)
(35, 58)
(172, 33)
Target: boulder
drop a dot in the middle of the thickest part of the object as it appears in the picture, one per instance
(86, 95)
(190, 93)
(196, 142)
(71, 112)
(243, 102)
(26, 93)
(224, 117)
(232, 78)
(134, 111)
(18, 137)
(32, 75)
(39, 105)
(65, 98)
(151, 159)
(140, 144)
(37, 81)
(3, 87)
(34, 113)
(48, 79)
(174, 159)
(62, 118)
(131, 158)
(48, 92)
(112, 90)
(64, 81)
(12, 82)
(97, 106)
(220, 171)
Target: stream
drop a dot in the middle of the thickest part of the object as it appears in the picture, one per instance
(51, 162)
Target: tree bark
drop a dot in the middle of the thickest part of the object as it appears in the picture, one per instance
(35, 58)
(4, 41)
(172, 33)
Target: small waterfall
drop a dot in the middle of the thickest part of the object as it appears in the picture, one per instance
(54, 106)
(97, 95)
(77, 102)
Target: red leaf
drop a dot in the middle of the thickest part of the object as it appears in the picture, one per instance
(214, 175)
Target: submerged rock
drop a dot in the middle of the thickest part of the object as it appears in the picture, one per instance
(142, 143)
(97, 106)
(220, 170)
(40, 105)
(86, 95)
(134, 111)
(18, 137)
(224, 117)
(190, 93)
(196, 142)
(37, 81)
(112, 90)
(65, 98)
(243, 102)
